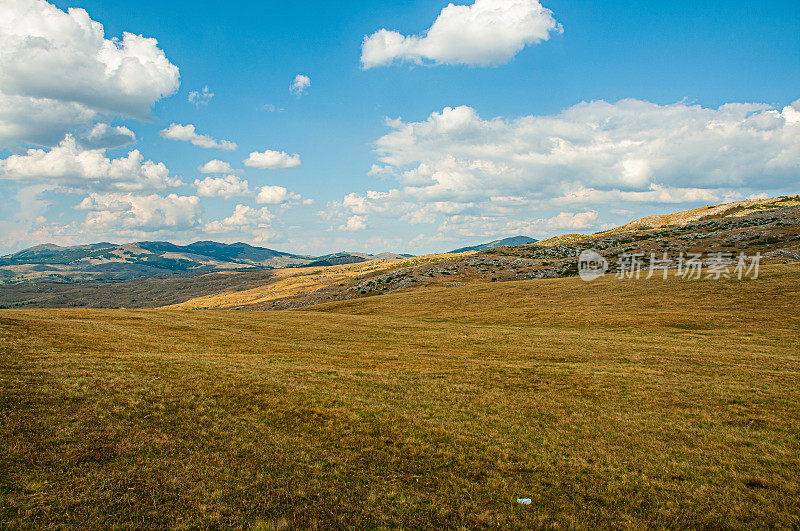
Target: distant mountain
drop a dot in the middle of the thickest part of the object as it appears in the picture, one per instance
(353, 258)
(769, 227)
(514, 240)
(109, 262)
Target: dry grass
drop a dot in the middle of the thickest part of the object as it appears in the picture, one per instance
(149, 293)
(293, 282)
(683, 218)
(618, 403)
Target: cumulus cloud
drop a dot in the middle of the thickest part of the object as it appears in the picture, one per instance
(299, 85)
(791, 113)
(129, 213)
(216, 166)
(380, 171)
(69, 165)
(272, 160)
(243, 217)
(628, 146)
(257, 222)
(187, 133)
(656, 194)
(354, 223)
(469, 176)
(572, 220)
(276, 195)
(39, 121)
(107, 216)
(104, 136)
(226, 187)
(488, 32)
(59, 71)
(461, 226)
(201, 97)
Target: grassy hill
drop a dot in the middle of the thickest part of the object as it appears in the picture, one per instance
(149, 293)
(772, 232)
(631, 404)
(684, 218)
(106, 262)
(295, 288)
(769, 226)
(513, 240)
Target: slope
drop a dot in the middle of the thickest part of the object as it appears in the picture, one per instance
(774, 233)
(616, 404)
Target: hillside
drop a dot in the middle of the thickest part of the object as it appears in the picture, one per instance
(289, 288)
(148, 293)
(773, 232)
(770, 227)
(652, 404)
(106, 262)
(683, 218)
(514, 240)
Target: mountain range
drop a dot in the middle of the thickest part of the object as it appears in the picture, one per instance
(505, 242)
(110, 262)
(45, 267)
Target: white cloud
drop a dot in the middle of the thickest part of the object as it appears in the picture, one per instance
(272, 160)
(187, 133)
(622, 212)
(58, 71)
(538, 175)
(202, 97)
(299, 85)
(791, 113)
(354, 223)
(114, 212)
(243, 217)
(216, 166)
(459, 226)
(628, 146)
(226, 187)
(488, 32)
(758, 196)
(69, 165)
(39, 121)
(104, 136)
(275, 195)
(20, 234)
(571, 220)
(380, 171)
(656, 194)
(257, 222)
(108, 217)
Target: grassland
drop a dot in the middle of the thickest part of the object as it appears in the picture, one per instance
(617, 403)
(295, 282)
(149, 293)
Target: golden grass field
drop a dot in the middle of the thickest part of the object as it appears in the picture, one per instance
(291, 282)
(627, 404)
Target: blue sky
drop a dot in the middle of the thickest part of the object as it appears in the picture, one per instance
(473, 156)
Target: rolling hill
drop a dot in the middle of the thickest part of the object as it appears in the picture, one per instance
(437, 389)
(241, 277)
(512, 241)
(615, 404)
(774, 232)
(106, 262)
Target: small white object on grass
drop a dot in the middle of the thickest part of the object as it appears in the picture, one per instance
(524, 501)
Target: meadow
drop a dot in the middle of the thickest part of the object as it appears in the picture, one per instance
(620, 403)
